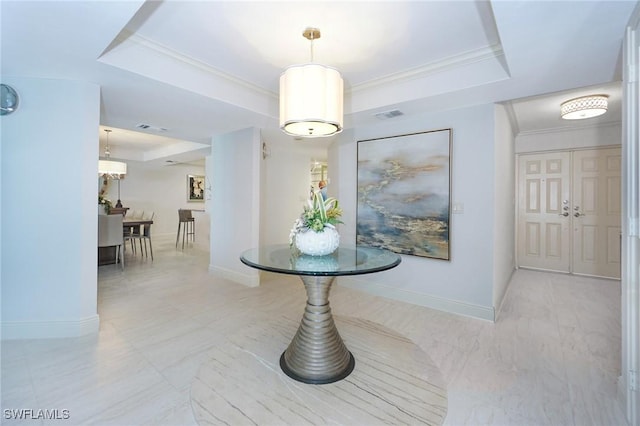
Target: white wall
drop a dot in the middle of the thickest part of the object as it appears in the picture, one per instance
(285, 186)
(504, 206)
(162, 190)
(49, 220)
(235, 218)
(464, 284)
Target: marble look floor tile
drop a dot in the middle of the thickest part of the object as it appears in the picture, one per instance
(165, 354)
(591, 407)
(15, 373)
(449, 359)
(595, 344)
(89, 391)
(182, 373)
(149, 405)
(553, 356)
(394, 382)
(161, 332)
(17, 391)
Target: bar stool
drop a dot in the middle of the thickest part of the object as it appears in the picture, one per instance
(189, 228)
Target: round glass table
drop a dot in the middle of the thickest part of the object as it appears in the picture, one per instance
(317, 354)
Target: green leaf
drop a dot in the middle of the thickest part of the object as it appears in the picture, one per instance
(320, 206)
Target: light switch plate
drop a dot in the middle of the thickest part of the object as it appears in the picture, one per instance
(458, 208)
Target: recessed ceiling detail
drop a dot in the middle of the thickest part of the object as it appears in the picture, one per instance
(208, 68)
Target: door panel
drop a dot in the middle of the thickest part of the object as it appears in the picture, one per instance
(544, 199)
(584, 185)
(532, 239)
(554, 238)
(596, 219)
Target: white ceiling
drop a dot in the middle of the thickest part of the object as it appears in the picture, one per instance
(204, 68)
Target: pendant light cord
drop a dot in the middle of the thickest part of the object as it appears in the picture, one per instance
(107, 149)
(311, 34)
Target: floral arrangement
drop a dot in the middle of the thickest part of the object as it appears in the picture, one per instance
(106, 204)
(317, 214)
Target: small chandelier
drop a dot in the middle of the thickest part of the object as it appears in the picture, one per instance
(584, 107)
(311, 97)
(111, 169)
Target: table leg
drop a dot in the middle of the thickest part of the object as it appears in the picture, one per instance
(317, 354)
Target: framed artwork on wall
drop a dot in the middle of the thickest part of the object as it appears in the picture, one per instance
(404, 193)
(195, 188)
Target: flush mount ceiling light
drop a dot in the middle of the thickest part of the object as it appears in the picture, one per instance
(584, 107)
(311, 97)
(111, 169)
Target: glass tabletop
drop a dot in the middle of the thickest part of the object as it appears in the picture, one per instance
(344, 261)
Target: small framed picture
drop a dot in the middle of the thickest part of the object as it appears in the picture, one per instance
(195, 188)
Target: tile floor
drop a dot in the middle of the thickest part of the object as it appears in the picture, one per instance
(552, 358)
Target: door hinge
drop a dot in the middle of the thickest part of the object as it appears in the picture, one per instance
(633, 380)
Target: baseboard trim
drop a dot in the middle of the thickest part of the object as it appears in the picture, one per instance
(427, 300)
(621, 395)
(235, 276)
(14, 330)
(498, 310)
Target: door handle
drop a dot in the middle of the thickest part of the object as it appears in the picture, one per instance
(565, 214)
(578, 214)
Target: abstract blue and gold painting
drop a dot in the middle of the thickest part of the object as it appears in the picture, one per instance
(404, 193)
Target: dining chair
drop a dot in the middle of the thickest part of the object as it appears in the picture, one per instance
(144, 234)
(186, 217)
(130, 234)
(136, 214)
(110, 234)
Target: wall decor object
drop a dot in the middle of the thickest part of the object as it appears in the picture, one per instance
(404, 193)
(195, 188)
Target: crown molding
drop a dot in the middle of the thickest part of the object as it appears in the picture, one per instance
(128, 37)
(494, 52)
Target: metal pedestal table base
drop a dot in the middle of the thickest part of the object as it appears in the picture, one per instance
(317, 354)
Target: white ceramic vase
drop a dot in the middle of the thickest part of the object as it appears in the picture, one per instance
(318, 243)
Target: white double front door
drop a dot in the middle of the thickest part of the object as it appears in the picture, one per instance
(569, 212)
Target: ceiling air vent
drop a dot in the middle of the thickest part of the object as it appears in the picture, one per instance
(144, 126)
(388, 114)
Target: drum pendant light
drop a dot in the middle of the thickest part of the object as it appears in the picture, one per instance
(311, 97)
